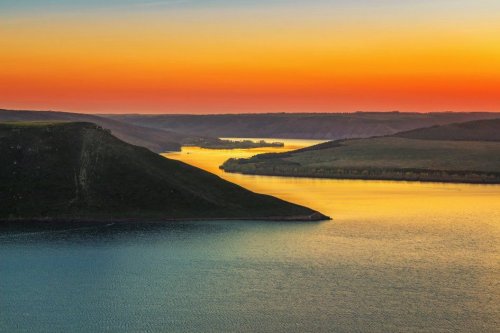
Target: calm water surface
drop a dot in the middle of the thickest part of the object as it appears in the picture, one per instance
(397, 257)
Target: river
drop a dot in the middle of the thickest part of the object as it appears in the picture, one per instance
(397, 257)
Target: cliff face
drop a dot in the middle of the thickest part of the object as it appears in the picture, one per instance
(80, 171)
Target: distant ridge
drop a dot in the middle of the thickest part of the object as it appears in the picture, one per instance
(479, 130)
(322, 126)
(157, 140)
(81, 172)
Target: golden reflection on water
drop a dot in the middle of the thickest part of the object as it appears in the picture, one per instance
(358, 200)
(432, 245)
(452, 230)
(384, 223)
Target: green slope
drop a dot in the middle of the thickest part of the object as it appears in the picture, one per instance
(80, 171)
(396, 158)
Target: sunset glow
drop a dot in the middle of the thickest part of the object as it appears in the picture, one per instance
(250, 56)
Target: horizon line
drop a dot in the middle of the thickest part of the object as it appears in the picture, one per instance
(249, 113)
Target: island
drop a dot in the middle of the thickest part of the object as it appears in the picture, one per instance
(78, 171)
(231, 144)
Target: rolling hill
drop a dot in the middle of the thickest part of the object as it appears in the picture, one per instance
(467, 152)
(79, 171)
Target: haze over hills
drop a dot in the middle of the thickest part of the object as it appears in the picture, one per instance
(466, 152)
(79, 171)
(323, 126)
(161, 133)
(157, 140)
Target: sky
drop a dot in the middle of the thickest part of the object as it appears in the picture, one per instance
(220, 56)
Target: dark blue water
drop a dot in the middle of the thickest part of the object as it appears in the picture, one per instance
(246, 276)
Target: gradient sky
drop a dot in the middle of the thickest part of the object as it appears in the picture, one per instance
(193, 56)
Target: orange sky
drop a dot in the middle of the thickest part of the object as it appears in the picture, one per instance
(255, 58)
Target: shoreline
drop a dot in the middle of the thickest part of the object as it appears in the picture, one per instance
(366, 178)
(316, 217)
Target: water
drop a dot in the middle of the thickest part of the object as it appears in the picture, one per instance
(397, 257)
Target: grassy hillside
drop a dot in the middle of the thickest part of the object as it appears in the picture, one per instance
(397, 158)
(157, 140)
(80, 171)
(324, 126)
